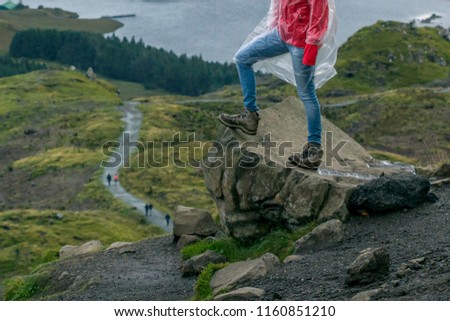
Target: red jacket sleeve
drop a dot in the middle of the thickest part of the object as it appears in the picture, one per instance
(318, 21)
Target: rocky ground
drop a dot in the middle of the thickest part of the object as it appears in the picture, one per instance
(406, 235)
(149, 270)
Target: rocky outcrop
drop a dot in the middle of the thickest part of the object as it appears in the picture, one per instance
(196, 264)
(191, 221)
(240, 273)
(242, 294)
(323, 236)
(370, 265)
(255, 187)
(390, 193)
(89, 247)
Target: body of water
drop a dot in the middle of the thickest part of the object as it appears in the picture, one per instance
(216, 28)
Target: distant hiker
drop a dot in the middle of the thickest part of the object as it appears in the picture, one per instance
(299, 28)
(167, 219)
(109, 178)
(146, 209)
(150, 206)
(116, 178)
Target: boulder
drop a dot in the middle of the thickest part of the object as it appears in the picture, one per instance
(242, 294)
(240, 273)
(366, 295)
(293, 258)
(197, 263)
(89, 247)
(117, 245)
(323, 236)
(193, 221)
(256, 189)
(369, 266)
(390, 193)
(185, 240)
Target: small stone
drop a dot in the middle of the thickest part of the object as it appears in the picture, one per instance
(196, 264)
(369, 266)
(366, 295)
(242, 294)
(186, 240)
(117, 245)
(323, 236)
(293, 258)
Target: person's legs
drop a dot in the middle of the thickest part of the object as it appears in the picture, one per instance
(304, 78)
(311, 156)
(264, 47)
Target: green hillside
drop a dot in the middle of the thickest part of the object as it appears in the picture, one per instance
(12, 21)
(52, 127)
(390, 55)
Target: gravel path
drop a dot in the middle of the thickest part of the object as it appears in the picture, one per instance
(132, 119)
(145, 271)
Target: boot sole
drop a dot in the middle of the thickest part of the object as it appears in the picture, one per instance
(233, 126)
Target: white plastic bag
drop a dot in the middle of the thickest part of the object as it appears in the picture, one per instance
(281, 66)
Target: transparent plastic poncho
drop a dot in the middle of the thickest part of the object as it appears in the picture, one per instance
(281, 66)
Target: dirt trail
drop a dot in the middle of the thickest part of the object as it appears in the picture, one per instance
(133, 120)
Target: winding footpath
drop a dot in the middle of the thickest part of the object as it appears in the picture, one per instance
(133, 120)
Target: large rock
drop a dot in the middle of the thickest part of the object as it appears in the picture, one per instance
(323, 236)
(197, 263)
(192, 221)
(389, 193)
(89, 247)
(242, 294)
(256, 189)
(240, 273)
(369, 266)
(186, 240)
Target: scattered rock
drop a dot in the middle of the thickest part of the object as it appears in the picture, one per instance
(409, 267)
(443, 171)
(59, 216)
(63, 275)
(431, 198)
(293, 258)
(366, 295)
(193, 221)
(369, 266)
(89, 247)
(196, 264)
(323, 236)
(90, 74)
(239, 273)
(242, 294)
(117, 245)
(389, 193)
(185, 240)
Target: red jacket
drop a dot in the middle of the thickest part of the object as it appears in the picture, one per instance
(302, 22)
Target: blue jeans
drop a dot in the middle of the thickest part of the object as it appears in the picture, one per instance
(268, 46)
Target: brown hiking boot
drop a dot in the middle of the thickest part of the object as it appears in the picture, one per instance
(310, 158)
(246, 121)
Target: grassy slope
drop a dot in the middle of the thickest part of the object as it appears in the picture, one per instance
(391, 55)
(53, 124)
(412, 123)
(13, 21)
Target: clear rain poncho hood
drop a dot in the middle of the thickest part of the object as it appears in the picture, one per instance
(281, 66)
